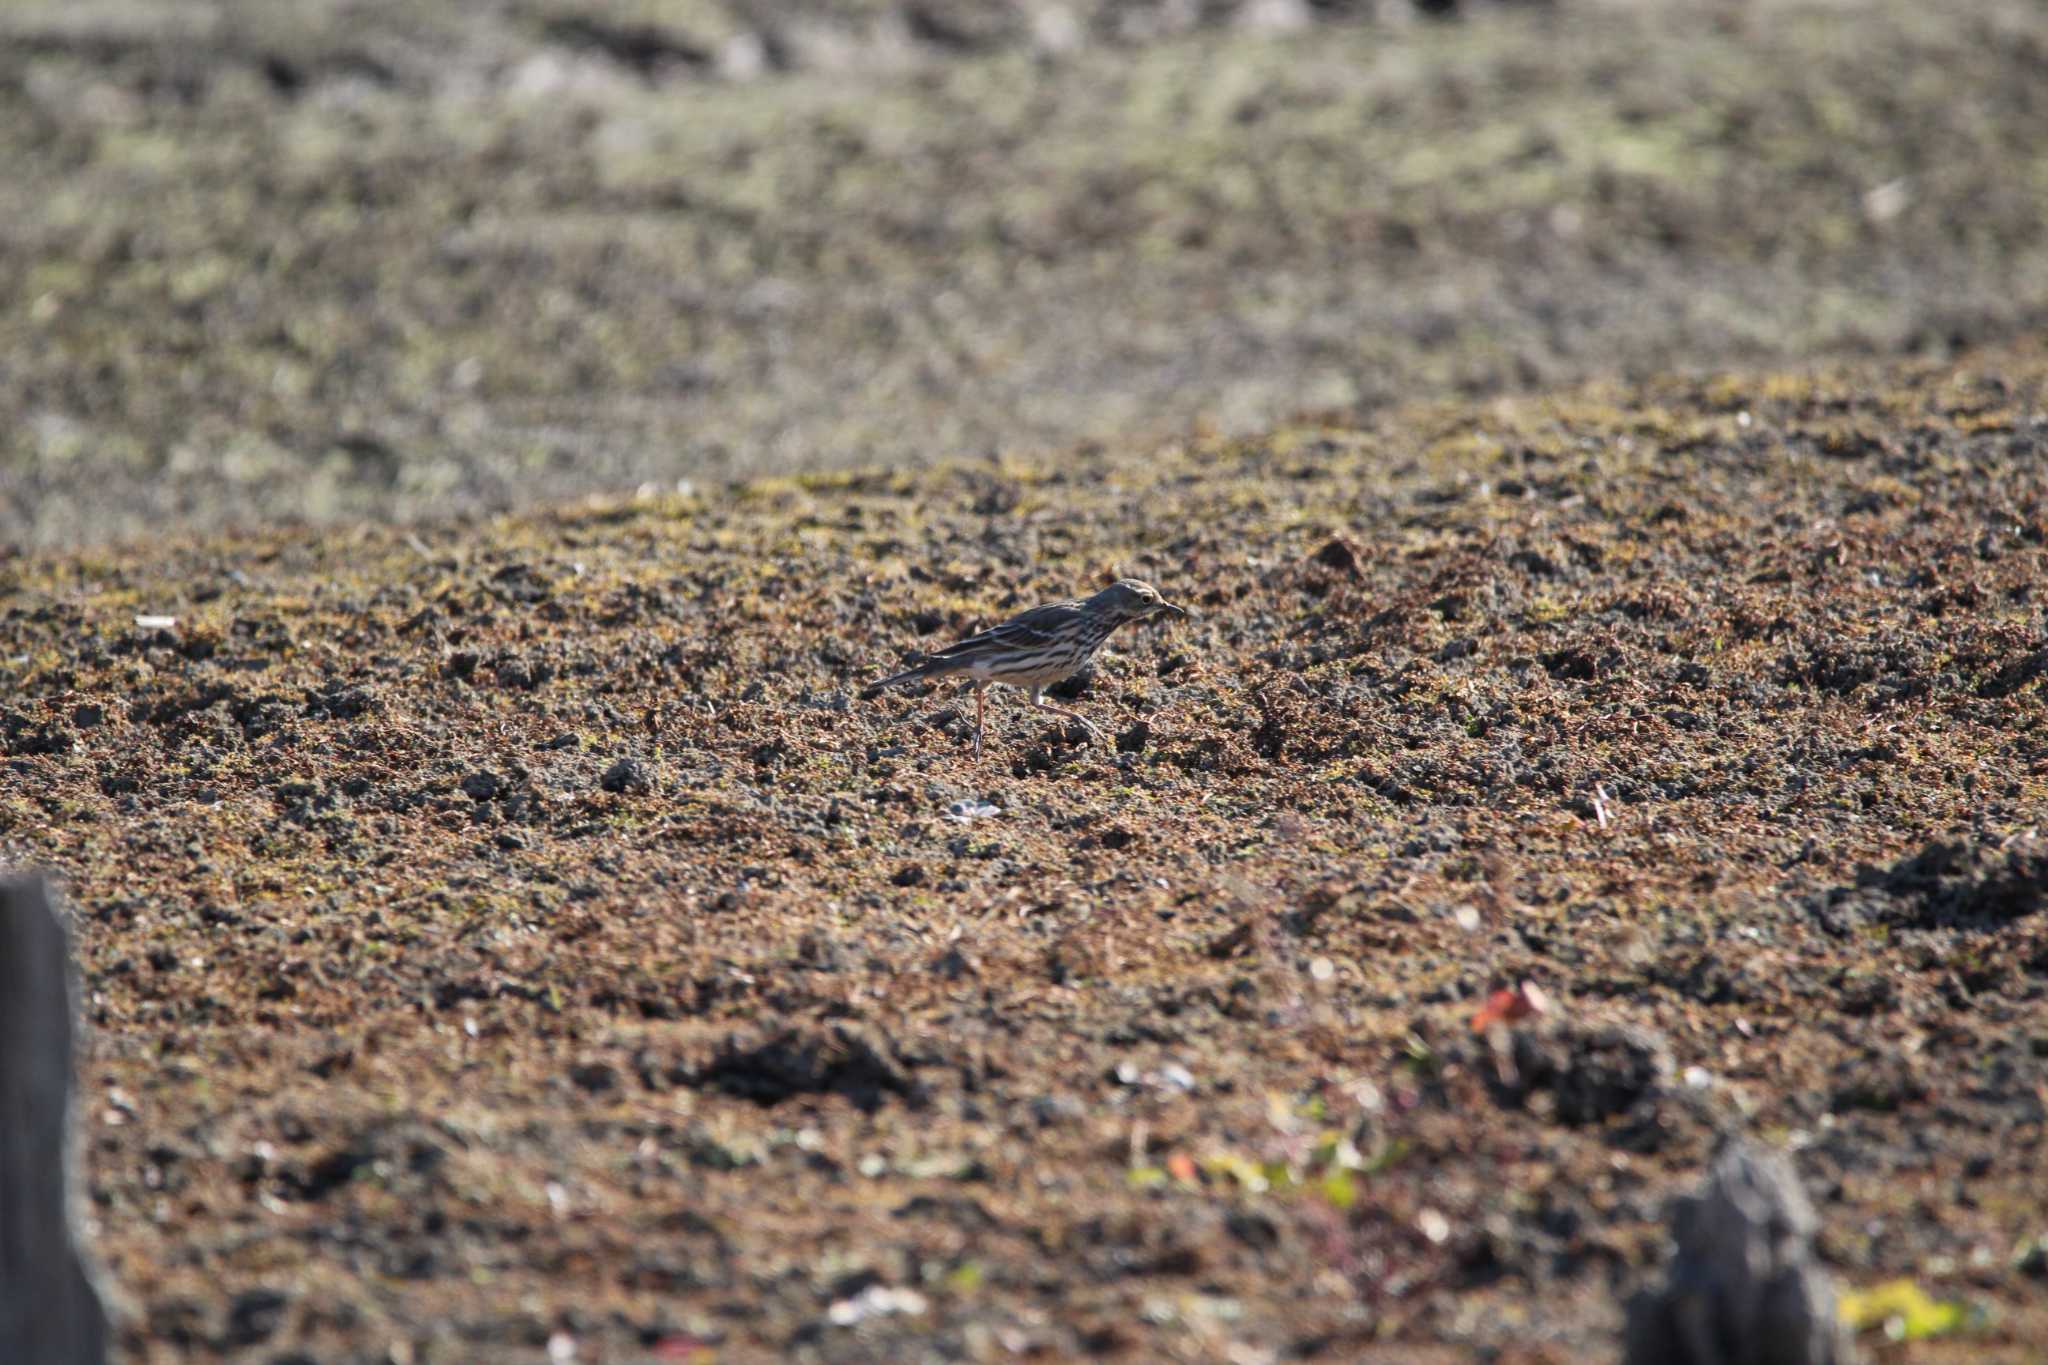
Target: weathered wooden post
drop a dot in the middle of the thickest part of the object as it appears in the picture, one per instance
(1745, 1285)
(50, 1309)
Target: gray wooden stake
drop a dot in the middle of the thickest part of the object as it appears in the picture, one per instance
(50, 1308)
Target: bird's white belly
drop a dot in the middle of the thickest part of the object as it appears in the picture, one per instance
(1041, 676)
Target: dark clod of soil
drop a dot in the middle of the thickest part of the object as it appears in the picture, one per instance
(595, 1077)
(794, 1062)
(626, 775)
(254, 1316)
(1949, 884)
(1074, 687)
(401, 1156)
(1341, 553)
(1744, 1287)
(1589, 1074)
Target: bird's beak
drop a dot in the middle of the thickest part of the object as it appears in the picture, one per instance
(1168, 609)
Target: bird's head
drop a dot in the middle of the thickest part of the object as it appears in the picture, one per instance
(1134, 600)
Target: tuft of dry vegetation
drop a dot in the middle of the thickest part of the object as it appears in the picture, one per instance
(510, 931)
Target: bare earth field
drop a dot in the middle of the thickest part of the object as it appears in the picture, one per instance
(505, 938)
(504, 932)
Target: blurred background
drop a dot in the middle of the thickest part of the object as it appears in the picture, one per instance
(382, 258)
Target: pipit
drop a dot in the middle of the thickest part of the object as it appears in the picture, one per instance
(1039, 648)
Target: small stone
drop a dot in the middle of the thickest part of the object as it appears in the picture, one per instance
(1057, 1111)
(626, 775)
(87, 715)
(511, 841)
(876, 1301)
(910, 874)
(480, 785)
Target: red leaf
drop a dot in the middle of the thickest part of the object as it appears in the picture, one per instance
(1505, 1006)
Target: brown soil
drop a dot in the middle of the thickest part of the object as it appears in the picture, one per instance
(504, 931)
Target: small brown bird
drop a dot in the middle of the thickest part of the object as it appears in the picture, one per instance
(1040, 647)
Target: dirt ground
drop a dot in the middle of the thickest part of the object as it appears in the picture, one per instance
(510, 936)
(343, 259)
(506, 937)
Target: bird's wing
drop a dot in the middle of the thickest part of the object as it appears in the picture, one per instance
(1035, 629)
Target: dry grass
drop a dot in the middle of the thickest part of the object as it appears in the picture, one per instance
(335, 260)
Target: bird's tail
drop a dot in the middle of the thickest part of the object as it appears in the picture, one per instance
(875, 689)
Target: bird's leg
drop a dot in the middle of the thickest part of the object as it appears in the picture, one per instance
(980, 714)
(1038, 700)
